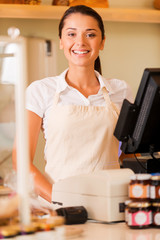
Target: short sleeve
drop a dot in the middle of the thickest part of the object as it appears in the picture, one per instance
(129, 93)
(120, 91)
(35, 98)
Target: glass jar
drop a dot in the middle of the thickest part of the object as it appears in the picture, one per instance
(139, 215)
(156, 214)
(155, 187)
(139, 187)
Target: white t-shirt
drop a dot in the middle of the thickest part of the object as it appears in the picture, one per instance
(40, 95)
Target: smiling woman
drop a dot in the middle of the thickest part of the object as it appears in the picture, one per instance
(78, 109)
(94, 18)
(81, 40)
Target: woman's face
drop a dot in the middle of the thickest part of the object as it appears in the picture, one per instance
(81, 40)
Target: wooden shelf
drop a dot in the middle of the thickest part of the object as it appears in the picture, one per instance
(55, 12)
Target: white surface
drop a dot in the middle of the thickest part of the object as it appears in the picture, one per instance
(110, 183)
(101, 231)
(100, 193)
(118, 231)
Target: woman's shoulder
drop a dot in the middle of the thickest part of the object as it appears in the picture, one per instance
(120, 88)
(44, 84)
(40, 93)
(48, 84)
(116, 84)
(113, 84)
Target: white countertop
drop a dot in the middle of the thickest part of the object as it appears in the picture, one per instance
(117, 231)
(97, 231)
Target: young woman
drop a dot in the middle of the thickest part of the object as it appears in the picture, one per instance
(78, 109)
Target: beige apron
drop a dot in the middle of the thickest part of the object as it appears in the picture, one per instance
(80, 139)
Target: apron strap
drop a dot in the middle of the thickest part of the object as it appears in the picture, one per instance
(108, 101)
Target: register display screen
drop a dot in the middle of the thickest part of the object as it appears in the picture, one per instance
(138, 126)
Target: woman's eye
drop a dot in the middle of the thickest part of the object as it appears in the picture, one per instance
(90, 35)
(71, 34)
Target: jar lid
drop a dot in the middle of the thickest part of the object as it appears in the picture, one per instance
(139, 204)
(143, 176)
(127, 202)
(156, 204)
(155, 178)
(133, 177)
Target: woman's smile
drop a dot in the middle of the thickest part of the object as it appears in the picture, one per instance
(80, 52)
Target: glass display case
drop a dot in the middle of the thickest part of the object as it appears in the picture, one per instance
(7, 102)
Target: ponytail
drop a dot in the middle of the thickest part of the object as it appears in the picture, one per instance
(97, 65)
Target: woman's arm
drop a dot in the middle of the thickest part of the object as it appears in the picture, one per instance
(42, 186)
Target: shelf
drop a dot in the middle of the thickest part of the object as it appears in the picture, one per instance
(4, 55)
(55, 12)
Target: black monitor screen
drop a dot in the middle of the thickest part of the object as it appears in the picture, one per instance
(138, 126)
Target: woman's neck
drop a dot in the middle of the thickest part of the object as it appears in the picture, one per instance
(84, 80)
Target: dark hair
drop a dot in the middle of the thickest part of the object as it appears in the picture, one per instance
(89, 12)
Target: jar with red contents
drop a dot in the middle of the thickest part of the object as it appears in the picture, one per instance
(156, 214)
(139, 215)
(139, 187)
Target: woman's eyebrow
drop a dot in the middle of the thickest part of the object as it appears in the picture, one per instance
(88, 29)
(70, 28)
(91, 29)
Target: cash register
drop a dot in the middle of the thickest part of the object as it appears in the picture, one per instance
(138, 126)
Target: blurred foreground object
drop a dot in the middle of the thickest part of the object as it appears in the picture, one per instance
(156, 4)
(9, 207)
(90, 3)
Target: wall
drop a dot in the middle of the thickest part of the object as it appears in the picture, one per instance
(129, 48)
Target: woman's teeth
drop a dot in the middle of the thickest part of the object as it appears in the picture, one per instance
(80, 52)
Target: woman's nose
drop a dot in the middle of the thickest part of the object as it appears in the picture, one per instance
(80, 39)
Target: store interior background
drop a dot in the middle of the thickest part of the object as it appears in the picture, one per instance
(130, 47)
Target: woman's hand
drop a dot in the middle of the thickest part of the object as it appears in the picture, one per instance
(42, 186)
